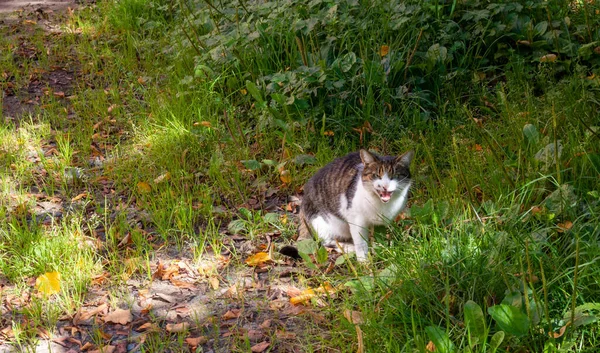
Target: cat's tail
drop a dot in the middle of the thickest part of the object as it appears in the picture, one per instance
(304, 232)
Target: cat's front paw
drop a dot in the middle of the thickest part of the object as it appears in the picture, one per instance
(362, 256)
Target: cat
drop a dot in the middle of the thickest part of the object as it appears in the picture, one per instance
(350, 195)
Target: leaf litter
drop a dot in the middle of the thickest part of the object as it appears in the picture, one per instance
(182, 296)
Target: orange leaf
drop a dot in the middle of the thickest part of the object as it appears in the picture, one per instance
(562, 227)
(196, 341)
(384, 50)
(328, 133)
(430, 346)
(258, 259)
(79, 197)
(203, 123)
(285, 176)
(143, 187)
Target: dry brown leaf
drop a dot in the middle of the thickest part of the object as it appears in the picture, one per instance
(562, 227)
(177, 328)
(119, 316)
(560, 332)
(86, 347)
(359, 340)
(104, 349)
(148, 326)
(214, 282)
(265, 324)
(430, 347)
(258, 259)
(231, 314)
(260, 347)
(85, 315)
(550, 58)
(194, 342)
(59, 94)
(182, 284)
(355, 317)
(283, 335)
(141, 80)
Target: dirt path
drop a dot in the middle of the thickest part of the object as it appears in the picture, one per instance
(12, 6)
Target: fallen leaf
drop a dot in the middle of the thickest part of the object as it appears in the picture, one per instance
(562, 227)
(141, 80)
(258, 259)
(430, 347)
(119, 316)
(260, 347)
(177, 328)
(143, 187)
(384, 50)
(560, 332)
(59, 94)
(359, 340)
(283, 335)
(85, 315)
(285, 176)
(79, 197)
(194, 342)
(550, 58)
(48, 283)
(231, 314)
(203, 123)
(163, 177)
(355, 317)
(104, 349)
(148, 326)
(328, 133)
(182, 284)
(214, 282)
(310, 293)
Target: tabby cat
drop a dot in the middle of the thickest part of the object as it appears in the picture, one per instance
(350, 195)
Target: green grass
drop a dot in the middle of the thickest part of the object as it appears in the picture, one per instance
(196, 107)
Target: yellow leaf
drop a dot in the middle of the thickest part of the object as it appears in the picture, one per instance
(309, 293)
(384, 50)
(214, 282)
(328, 133)
(144, 187)
(243, 91)
(48, 283)
(285, 176)
(549, 58)
(258, 259)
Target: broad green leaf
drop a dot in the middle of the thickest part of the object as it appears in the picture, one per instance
(251, 86)
(236, 226)
(531, 134)
(340, 260)
(496, 341)
(440, 339)
(475, 322)
(307, 246)
(541, 28)
(513, 299)
(510, 319)
(308, 260)
(251, 164)
(365, 283)
(269, 162)
(304, 159)
(322, 255)
(272, 218)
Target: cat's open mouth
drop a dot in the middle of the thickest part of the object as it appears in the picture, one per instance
(385, 196)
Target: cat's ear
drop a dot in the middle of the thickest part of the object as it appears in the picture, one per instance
(367, 157)
(405, 159)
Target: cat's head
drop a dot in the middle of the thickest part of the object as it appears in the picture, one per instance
(386, 175)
